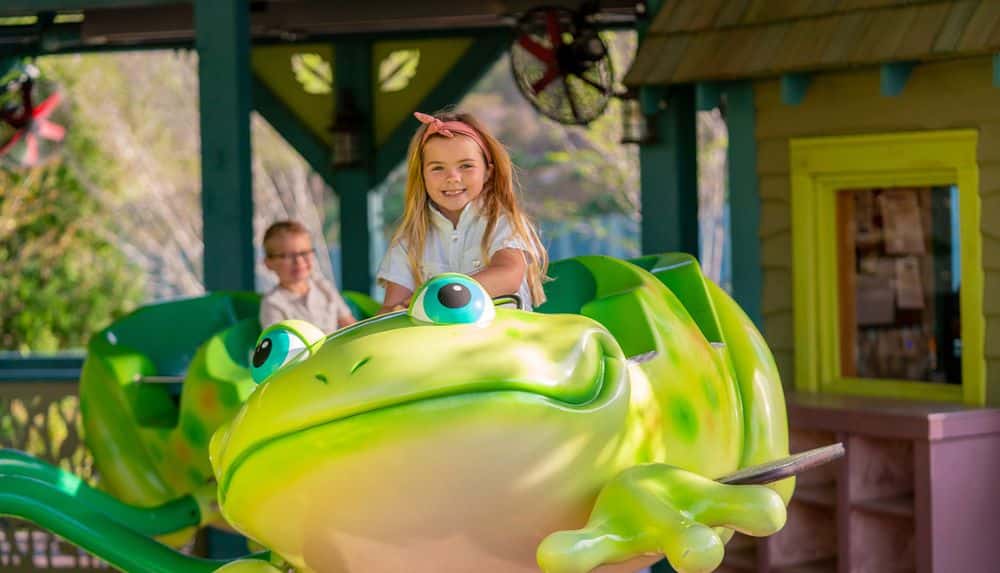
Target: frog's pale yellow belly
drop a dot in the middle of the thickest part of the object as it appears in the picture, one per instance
(412, 494)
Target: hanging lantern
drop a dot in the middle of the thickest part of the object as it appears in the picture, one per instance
(635, 123)
(347, 133)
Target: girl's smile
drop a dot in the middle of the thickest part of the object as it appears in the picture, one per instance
(455, 173)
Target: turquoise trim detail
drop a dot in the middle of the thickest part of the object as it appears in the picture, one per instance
(794, 88)
(893, 78)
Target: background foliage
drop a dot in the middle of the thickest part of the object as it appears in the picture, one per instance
(115, 220)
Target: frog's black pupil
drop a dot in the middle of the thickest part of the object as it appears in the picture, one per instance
(454, 295)
(261, 353)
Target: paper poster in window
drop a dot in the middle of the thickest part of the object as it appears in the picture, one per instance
(904, 234)
(909, 288)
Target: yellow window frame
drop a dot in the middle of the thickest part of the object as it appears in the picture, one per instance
(822, 166)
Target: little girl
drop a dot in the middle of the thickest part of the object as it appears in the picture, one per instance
(462, 215)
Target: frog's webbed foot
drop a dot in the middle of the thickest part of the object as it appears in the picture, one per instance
(656, 508)
(248, 566)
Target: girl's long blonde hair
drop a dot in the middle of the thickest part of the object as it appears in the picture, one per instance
(499, 197)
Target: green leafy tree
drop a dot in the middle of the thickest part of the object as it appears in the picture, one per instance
(62, 278)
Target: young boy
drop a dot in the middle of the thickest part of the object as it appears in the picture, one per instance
(288, 252)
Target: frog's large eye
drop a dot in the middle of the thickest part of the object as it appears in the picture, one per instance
(281, 344)
(452, 298)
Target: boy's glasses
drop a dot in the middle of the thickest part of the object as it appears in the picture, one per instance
(289, 257)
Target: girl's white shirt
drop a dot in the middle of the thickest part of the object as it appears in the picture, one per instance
(455, 249)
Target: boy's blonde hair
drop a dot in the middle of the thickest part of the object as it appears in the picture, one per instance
(280, 228)
(499, 197)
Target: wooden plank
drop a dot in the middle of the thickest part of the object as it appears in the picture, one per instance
(780, 329)
(762, 12)
(919, 39)
(990, 215)
(993, 385)
(647, 59)
(772, 42)
(992, 350)
(732, 13)
(799, 39)
(979, 29)
(775, 217)
(662, 62)
(850, 28)
(682, 15)
(846, 5)
(989, 144)
(884, 35)
(738, 51)
(773, 159)
(662, 19)
(777, 292)
(848, 102)
(767, 93)
(954, 25)
(776, 248)
(18, 7)
(776, 187)
(991, 284)
(989, 176)
(818, 34)
(697, 59)
(706, 13)
(991, 254)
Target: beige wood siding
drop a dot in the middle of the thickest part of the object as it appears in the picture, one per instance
(940, 95)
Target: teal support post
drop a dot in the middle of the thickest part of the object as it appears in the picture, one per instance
(222, 38)
(744, 200)
(354, 184)
(707, 96)
(669, 177)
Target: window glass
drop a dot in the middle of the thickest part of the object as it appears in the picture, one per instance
(899, 284)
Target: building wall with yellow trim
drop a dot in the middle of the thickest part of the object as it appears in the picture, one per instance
(939, 95)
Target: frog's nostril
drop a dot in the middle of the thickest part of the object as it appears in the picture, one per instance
(357, 365)
(322, 378)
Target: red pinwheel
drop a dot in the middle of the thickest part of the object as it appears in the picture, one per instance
(31, 124)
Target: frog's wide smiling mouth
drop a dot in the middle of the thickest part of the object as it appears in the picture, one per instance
(590, 376)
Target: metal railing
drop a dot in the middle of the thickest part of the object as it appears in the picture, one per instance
(42, 418)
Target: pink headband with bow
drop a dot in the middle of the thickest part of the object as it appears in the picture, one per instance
(448, 129)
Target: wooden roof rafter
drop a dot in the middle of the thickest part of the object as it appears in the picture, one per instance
(137, 23)
(712, 40)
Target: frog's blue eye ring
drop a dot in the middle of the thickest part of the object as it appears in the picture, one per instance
(284, 343)
(453, 298)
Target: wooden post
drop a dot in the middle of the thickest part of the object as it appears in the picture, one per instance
(222, 38)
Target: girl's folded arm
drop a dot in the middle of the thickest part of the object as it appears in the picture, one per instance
(504, 273)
